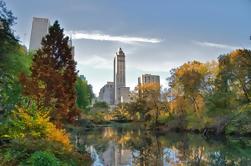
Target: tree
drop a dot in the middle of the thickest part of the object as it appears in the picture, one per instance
(187, 81)
(7, 37)
(53, 76)
(233, 80)
(222, 99)
(83, 94)
(232, 88)
(150, 93)
(13, 60)
(240, 61)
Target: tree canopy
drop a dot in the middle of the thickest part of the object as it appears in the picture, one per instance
(53, 76)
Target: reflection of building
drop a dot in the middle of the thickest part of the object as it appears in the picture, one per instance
(106, 93)
(115, 155)
(39, 29)
(108, 154)
(121, 92)
(122, 156)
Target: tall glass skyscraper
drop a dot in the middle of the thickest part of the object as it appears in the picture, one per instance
(39, 29)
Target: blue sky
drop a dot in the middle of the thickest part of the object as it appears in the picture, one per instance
(156, 35)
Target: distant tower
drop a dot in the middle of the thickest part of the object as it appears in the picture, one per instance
(72, 47)
(39, 29)
(119, 74)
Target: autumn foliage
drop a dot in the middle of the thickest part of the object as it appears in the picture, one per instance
(53, 76)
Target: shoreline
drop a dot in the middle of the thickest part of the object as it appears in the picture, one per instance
(161, 129)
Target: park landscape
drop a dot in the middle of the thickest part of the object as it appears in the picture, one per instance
(50, 116)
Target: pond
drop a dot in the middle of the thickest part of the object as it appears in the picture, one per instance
(134, 147)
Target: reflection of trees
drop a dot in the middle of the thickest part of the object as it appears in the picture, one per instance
(95, 139)
(149, 149)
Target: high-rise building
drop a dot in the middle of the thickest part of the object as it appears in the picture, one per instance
(106, 93)
(72, 47)
(148, 78)
(39, 29)
(120, 91)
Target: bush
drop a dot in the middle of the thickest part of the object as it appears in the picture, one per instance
(29, 131)
(35, 124)
(101, 104)
(20, 151)
(42, 158)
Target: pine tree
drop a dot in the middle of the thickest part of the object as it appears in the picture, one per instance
(52, 82)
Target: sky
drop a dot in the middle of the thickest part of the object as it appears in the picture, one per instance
(156, 35)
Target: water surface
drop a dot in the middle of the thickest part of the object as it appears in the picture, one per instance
(130, 147)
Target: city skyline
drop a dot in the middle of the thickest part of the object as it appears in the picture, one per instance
(152, 45)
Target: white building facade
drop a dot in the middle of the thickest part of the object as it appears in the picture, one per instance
(106, 93)
(40, 27)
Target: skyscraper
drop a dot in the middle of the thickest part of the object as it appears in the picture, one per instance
(145, 79)
(148, 78)
(39, 29)
(120, 91)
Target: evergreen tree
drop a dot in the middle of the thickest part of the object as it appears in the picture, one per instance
(53, 78)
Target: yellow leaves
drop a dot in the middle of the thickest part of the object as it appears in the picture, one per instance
(190, 67)
(125, 138)
(58, 135)
(149, 87)
(111, 134)
(37, 125)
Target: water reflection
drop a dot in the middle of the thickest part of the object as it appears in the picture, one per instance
(122, 147)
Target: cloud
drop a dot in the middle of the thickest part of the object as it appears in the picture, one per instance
(96, 62)
(105, 37)
(216, 45)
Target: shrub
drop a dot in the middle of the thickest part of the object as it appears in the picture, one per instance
(18, 152)
(42, 158)
(29, 123)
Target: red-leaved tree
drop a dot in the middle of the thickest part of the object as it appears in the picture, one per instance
(53, 76)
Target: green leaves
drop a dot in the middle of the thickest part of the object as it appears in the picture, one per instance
(7, 37)
(84, 94)
(42, 158)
